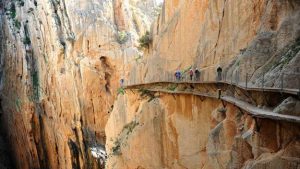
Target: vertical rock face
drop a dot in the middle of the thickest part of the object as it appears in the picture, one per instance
(259, 38)
(61, 61)
(166, 134)
(255, 37)
(60, 65)
(182, 131)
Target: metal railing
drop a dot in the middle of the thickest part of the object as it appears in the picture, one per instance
(284, 82)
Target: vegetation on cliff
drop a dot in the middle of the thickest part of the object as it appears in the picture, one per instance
(122, 37)
(123, 136)
(145, 41)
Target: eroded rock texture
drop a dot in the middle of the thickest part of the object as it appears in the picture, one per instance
(60, 67)
(184, 131)
(61, 62)
(254, 40)
(258, 39)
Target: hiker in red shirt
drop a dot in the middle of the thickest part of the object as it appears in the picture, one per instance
(191, 74)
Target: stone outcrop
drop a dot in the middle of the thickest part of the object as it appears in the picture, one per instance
(290, 106)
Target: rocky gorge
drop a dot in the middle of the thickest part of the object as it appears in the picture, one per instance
(62, 104)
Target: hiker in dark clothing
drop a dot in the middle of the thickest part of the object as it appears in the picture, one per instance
(197, 74)
(219, 72)
(122, 82)
(191, 74)
(177, 75)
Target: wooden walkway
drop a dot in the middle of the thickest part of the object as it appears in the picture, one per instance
(251, 109)
(244, 87)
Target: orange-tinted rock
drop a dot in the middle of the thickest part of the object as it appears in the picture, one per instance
(60, 70)
(175, 132)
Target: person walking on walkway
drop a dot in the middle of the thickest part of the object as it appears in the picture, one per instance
(179, 75)
(219, 72)
(122, 82)
(175, 75)
(197, 74)
(191, 74)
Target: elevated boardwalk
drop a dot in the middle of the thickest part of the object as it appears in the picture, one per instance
(240, 85)
(249, 108)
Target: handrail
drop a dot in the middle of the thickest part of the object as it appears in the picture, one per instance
(242, 85)
(253, 110)
(267, 89)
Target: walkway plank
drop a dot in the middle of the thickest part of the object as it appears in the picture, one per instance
(251, 109)
(257, 112)
(248, 88)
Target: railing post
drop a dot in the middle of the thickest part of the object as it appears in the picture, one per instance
(219, 93)
(263, 81)
(246, 81)
(236, 81)
(231, 77)
(298, 87)
(281, 82)
(237, 78)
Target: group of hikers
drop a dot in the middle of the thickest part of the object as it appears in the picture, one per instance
(192, 73)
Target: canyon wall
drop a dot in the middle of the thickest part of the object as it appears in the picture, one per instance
(255, 37)
(61, 62)
(255, 40)
(186, 131)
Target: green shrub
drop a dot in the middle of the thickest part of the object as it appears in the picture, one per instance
(12, 11)
(172, 87)
(147, 93)
(116, 149)
(238, 63)
(17, 24)
(18, 104)
(122, 37)
(130, 126)
(145, 40)
(121, 90)
(137, 58)
(26, 40)
(127, 129)
(35, 85)
(186, 70)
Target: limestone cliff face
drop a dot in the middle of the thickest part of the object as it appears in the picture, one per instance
(61, 61)
(184, 131)
(260, 38)
(60, 67)
(255, 37)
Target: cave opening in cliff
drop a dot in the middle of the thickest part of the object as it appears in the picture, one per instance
(107, 77)
(107, 74)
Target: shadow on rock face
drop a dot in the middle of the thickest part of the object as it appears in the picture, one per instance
(5, 154)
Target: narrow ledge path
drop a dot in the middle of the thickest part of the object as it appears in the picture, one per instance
(243, 105)
(240, 85)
